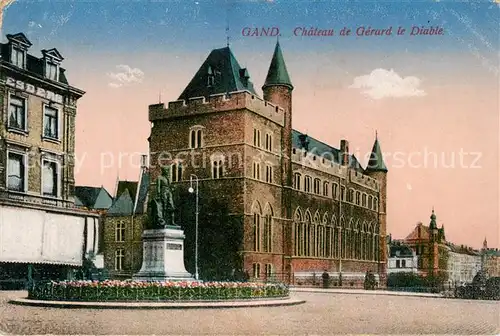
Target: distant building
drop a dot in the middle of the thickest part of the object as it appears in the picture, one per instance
(402, 259)
(490, 259)
(429, 244)
(43, 233)
(123, 226)
(463, 264)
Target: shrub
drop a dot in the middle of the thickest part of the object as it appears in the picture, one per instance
(114, 290)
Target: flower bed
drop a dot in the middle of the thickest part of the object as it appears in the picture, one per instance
(115, 290)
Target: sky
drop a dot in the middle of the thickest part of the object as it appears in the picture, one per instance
(434, 100)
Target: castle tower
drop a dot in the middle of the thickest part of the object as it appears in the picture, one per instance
(434, 240)
(278, 89)
(377, 169)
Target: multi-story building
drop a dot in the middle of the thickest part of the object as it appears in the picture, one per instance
(463, 264)
(429, 244)
(402, 259)
(275, 203)
(123, 224)
(43, 234)
(490, 260)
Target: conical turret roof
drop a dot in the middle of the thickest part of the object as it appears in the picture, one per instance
(278, 74)
(376, 162)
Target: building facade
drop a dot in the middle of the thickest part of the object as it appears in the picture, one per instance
(490, 259)
(402, 259)
(123, 224)
(275, 203)
(43, 234)
(429, 244)
(463, 264)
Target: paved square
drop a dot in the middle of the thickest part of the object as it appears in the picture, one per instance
(322, 314)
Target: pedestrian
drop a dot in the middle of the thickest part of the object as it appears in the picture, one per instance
(326, 278)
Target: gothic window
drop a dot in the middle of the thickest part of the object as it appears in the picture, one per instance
(342, 193)
(268, 229)
(257, 228)
(326, 188)
(317, 184)
(307, 234)
(196, 137)
(269, 174)
(256, 170)
(256, 137)
(363, 201)
(375, 203)
(307, 184)
(296, 180)
(335, 190)
(217, 168)
(358, 197)
(176, 172)
(298, 233)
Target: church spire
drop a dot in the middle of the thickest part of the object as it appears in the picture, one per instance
(278, 74)
(433, 224)
(376, 162)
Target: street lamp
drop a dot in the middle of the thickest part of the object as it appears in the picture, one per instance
(191, 190)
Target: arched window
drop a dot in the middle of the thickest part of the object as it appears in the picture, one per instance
(326, 188)
(268, 229)
(307, 234)
(257, 229)
(298, 232)
(358, 197)
(307, 184)
(351, 196)
(296, 180)
(370, 202)
(317, 183)
(176, 172)
(196, 137)
(375, 203)
(363, 200)
(335, 190)
(217, 167)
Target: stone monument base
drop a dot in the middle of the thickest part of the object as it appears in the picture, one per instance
(163, 256)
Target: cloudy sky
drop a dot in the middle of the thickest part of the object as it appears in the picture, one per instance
(434, 100)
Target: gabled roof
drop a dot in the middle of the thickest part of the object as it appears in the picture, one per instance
(277, 73)
(123, 205)
(19, 38)
(131, 186)
(142, 193)
(376, 162)
(424, 233)
(92, 197)
(319, 148)
(227, 76)
(52, 53)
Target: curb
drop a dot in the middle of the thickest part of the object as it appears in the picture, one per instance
(314, 290)
(157, 305)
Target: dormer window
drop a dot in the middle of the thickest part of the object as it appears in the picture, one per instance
(19, 45)
(52, 60)
(210, 76)
(51, 71)
(18, 57)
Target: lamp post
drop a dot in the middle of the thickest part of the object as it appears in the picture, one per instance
(191, 190)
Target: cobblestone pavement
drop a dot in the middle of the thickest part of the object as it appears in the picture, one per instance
(322, 314)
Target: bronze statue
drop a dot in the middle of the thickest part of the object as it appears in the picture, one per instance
(161, 208)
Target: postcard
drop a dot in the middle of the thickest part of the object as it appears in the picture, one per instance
(249, 167)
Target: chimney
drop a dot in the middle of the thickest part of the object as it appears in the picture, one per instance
(344, 152)
(144, 161)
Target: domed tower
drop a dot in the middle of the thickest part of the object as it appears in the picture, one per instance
(377, 169)
(433, 248)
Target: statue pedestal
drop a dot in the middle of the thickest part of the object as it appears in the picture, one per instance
(163, 256)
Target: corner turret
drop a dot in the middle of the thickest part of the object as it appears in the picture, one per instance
(376, 162)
